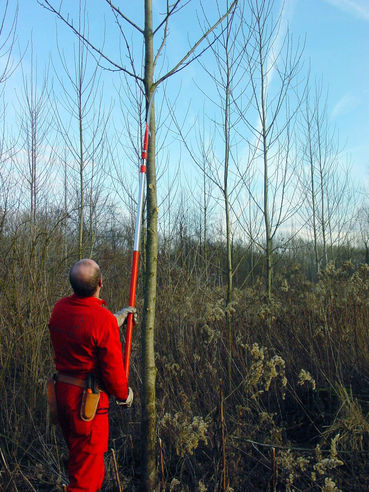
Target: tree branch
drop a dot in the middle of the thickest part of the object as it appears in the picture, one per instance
(119, 68)
(169, 13)
(120, 13)
(181, 64)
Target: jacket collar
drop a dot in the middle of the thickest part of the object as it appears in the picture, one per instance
(90, 301)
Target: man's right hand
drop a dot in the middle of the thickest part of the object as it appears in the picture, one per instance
(127, 403)
(123, 314)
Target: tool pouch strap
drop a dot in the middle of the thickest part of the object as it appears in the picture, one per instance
(51, 398)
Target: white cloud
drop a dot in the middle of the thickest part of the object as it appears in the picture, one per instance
(346, 104)
(358, 8)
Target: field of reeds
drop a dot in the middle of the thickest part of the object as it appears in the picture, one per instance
(291, 416)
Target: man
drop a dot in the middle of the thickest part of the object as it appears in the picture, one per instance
(86, 342)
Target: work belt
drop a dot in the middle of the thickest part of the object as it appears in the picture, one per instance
(65, 378)
(90, 396)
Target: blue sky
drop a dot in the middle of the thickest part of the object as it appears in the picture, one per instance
(337, 49)
(337, 46)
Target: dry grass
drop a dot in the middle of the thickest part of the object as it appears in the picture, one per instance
(299, 381)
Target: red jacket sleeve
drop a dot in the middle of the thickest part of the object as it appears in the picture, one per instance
(110, 357)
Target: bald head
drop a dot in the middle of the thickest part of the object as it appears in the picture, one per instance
(85, 278)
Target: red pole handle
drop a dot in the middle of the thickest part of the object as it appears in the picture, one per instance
(134, 272)
(132, 297)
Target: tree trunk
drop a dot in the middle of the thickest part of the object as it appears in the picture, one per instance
(322, 204)
(268, 233)
(148, 354)
(81, 166)
(313, 205)
(228, 229)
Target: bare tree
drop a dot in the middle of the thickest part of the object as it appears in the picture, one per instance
(227, 60)
(8, 26)
(34, 158)
(325, 182)
(82, 124)
(218, 156)
(148, 83)
(273, 64)
(309, 183)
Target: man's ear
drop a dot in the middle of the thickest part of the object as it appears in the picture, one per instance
(100, 282)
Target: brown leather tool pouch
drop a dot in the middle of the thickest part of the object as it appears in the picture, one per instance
(51, 397)
(89, 404)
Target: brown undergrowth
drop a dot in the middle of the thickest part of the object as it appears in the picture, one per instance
(293, 417)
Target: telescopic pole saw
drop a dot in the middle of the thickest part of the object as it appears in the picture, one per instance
(136, 246)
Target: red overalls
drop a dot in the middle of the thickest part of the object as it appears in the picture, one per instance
(85, 337)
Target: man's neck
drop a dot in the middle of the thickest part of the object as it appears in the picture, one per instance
(97, 293)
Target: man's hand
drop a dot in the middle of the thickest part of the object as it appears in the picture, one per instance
(123, 314)
(128, 402)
